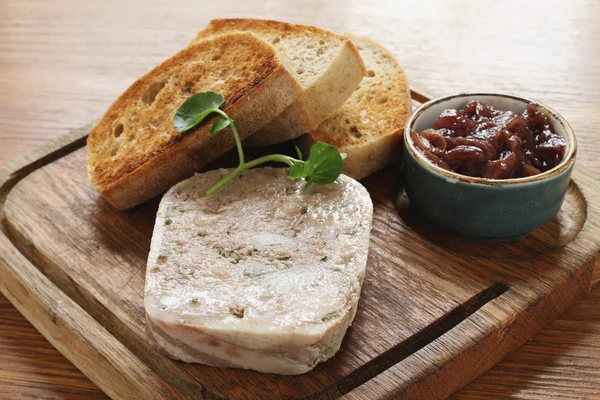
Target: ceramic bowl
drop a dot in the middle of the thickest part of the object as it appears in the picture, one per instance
(480, 208)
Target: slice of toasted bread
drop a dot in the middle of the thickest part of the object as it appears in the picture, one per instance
(328, 67)
(134, 152)
(368, 127)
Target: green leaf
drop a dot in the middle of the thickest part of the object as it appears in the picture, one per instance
(195, 109)
(219, 124)
(324, 164)
(297, 170)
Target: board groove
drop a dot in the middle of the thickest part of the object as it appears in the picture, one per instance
(441, 327)
(172, 371)
(484, 318)
(97, 311)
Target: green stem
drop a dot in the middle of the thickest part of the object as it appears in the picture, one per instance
(225, 180)
(238, 142)
(242, 167)
(271, 157)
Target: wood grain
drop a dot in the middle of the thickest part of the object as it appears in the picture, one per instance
(445, 319)
(69, 328)
(32, 367)
(112, 366)
(570, 370)
(63, 62)
(91, 231)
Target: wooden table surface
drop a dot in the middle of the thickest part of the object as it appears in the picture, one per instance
(63, 62)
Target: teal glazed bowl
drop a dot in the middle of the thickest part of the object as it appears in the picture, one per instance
(479, 208)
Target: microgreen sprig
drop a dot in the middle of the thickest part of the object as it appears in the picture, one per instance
(323, 165)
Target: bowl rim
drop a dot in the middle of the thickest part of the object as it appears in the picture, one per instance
(566, 162)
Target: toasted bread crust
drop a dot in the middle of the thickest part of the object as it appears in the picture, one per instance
(145, 156)
(318, 102)
(369, 126)
(260, 25)
(326, 87)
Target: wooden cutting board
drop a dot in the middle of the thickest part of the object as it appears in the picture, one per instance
(435, 312)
